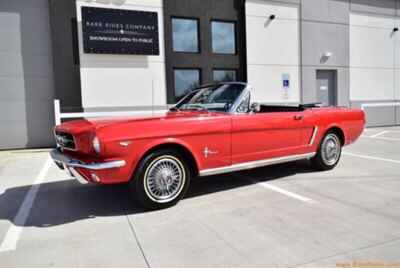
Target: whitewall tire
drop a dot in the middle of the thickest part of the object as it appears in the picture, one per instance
(161, 180)
(329, 152)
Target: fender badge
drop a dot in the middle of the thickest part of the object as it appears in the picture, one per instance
(125, 143)
(208, 152)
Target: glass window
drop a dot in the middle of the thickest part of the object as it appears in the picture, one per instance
(244, 105)
(185, 36)
(224, 75)
(223, 37)
(185, 80)
(212, 98)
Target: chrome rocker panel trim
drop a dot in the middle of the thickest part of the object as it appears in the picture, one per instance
(63, 159)
(254, 164)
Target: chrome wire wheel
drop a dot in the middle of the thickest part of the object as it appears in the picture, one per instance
(164, 179)
(331, 149)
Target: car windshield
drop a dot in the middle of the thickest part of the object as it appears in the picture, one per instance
(212, 98)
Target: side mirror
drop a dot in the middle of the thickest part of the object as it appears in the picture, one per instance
(255, 107)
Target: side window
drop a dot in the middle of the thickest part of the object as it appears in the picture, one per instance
(223, 37)
(244, 105)
(185, 80)
(224, 75)
(185, 35)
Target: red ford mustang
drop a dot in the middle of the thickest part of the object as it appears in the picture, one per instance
(212, 130)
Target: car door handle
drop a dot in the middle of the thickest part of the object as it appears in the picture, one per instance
(298, 117)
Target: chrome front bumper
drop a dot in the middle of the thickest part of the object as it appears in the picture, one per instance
(67, 163)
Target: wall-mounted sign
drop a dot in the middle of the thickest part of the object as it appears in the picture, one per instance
(285, 81)
(118, 31)
(286, 85)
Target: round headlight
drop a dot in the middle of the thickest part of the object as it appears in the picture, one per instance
(96, 145)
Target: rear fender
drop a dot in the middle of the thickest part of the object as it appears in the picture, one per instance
(322, 130)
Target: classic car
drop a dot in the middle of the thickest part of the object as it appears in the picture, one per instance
(212, 130)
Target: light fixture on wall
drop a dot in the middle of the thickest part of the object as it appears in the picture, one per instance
(395, 29)
(327, 54)
(325, 57)
(269, 20)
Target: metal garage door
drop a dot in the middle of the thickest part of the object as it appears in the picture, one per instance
(26, 74)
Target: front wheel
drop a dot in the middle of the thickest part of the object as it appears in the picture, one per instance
(328, 153)
(161, 180)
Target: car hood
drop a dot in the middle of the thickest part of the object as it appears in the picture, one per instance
(84, 125)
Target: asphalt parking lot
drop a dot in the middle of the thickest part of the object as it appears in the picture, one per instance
(279, 216)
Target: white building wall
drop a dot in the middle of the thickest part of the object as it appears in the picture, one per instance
(273, 49)
(122, 80)
(397, 66)
(372, 58)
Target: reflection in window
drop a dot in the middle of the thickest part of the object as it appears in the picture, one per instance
(223, 37)
(244, 105)
(224, 75)
(219, 97)
(185, 80)
(185, 35)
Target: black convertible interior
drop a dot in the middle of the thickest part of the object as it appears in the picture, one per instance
(222, 96)
(282, 108)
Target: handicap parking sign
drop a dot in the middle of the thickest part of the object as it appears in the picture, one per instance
(285, 81)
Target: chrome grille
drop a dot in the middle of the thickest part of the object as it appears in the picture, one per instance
(65, 140)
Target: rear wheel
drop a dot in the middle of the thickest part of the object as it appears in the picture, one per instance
(161, 180)
(329, 152)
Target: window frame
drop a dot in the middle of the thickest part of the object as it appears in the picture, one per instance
(174, 80)
(198, 34)
(234, 32)
(245, 98)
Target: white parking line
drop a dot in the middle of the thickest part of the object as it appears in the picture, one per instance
(390, 130)
(287, 193)
(14, 232)
(381, 138)
(281, 191)
(372, 157)
(379, 134)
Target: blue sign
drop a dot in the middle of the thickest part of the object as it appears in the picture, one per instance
(285, 81)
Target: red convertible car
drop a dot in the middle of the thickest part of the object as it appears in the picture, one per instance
(212, 130)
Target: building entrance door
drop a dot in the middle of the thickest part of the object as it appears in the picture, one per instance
(327, 87)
